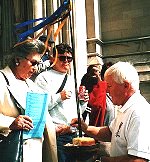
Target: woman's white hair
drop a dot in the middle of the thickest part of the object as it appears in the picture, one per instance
(124, 71)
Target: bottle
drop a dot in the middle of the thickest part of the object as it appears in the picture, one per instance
(82, 90)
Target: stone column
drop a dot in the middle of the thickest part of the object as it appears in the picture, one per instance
(80, 38)
(37, 12)
(7, 35)
(93, 32)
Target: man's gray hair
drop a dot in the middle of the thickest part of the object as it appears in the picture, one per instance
(124, 71)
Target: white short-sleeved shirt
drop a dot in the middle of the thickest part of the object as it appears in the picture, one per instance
(131, 130)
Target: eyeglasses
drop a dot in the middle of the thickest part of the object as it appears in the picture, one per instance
(65, 58)
(33, 62)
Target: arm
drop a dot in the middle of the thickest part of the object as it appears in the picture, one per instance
(46, 84)
(9, 115)
(5, 122)
(99, 133)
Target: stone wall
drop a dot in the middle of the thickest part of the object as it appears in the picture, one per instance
(122, 19)
(125, 35)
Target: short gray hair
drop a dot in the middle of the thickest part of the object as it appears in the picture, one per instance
(23, 49)
(28, 47)
(124, 71)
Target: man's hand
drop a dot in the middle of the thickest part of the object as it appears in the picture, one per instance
(74, 123)
(62, 129)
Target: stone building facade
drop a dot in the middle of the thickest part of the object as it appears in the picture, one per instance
(126, 36)
(103, 30)
(120, 31)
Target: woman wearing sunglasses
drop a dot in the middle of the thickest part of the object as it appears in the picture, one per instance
(62, 106)
(15, 80)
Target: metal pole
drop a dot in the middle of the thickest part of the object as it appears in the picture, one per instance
(74, 66)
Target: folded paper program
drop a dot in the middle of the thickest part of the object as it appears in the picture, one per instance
(36, 109)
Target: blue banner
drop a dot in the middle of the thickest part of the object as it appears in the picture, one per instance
(49, 20)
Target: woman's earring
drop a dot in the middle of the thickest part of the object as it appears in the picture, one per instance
(17, 63)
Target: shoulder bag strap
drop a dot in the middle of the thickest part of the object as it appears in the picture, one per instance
(63, 84)
(18, 106)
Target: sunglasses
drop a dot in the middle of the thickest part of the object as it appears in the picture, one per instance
(34, 63)
(65, 58)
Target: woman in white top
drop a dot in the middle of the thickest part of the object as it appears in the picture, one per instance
(15, 80)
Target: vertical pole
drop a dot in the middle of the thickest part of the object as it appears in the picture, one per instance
(75, 77)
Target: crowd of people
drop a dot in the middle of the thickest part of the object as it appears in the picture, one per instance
(106, 86)
(21, 66)
(128, 131)
(62, 105)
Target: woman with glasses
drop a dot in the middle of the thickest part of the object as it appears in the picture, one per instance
(62, 106)
(15, 81)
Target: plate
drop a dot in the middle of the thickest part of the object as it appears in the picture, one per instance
(81, 152)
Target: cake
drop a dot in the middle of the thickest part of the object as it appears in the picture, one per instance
(83, 141)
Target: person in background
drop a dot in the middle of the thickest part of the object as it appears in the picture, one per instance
(129, 131)
(45, 59)
(23, 63)
(97, 95)
(62, 106)
(105, 66)
(50, 46)
(110, 107)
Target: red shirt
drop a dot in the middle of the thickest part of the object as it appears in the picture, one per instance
(97, 102)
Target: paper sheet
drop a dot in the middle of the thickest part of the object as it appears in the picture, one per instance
(36, 109)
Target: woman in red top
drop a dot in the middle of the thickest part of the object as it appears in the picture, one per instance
(97, 95)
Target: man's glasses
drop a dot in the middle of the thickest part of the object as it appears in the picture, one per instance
(33, 62)
(65, 58)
